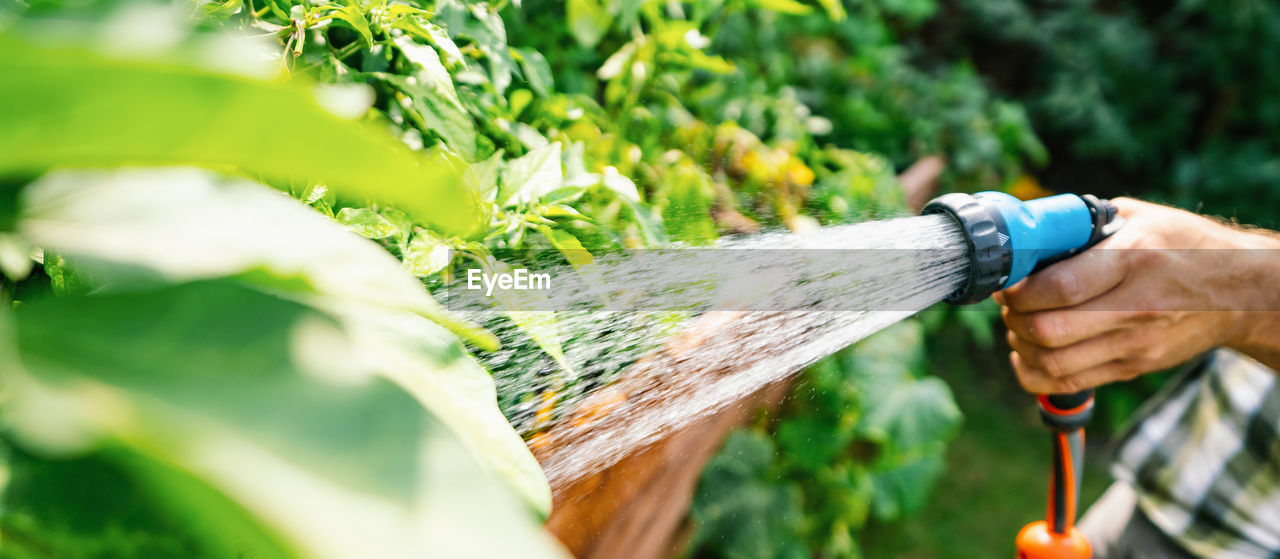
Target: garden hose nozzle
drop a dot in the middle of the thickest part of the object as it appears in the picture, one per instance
(1008, 239)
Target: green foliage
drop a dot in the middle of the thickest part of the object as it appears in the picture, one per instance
(249, 377)
(197, 374)
(106, 223)
(771, 100)
(741, 509)
(1171, 101)
(862, 435)
(91, 115)
(229, 321)
(221, 381)
(115, 502)
(872, 91)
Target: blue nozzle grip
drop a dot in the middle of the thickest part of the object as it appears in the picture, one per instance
(1041, 230)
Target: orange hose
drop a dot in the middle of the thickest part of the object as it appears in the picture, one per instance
(1069, 478)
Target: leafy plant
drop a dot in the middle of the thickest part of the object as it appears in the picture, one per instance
(241, 332)
(79, 90)
(246, 376)
(862, 435)
(1086, 72)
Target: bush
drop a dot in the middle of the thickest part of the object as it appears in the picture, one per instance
(861, 436)
(256, 378)
(1087, 72)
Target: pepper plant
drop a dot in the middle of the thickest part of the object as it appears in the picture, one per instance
(220, 221)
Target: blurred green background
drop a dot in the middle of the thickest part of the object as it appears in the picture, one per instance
(447, 131)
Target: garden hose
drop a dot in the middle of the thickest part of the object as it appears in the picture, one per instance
(1008, 239)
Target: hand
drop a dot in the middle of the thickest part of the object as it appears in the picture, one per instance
(1135, 304)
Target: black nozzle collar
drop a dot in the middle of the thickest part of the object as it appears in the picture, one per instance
(987, 237)
(1103, 213)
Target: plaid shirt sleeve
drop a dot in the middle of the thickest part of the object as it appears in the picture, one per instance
(1204, 459)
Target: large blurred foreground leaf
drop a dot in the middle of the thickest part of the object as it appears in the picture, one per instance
(139, 226)
(64, 106)
(208, 401)
(128, 230)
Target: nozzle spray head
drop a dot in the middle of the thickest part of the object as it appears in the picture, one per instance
(1008, 238)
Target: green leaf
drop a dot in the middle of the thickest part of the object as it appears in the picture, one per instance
(490, 20)
(366, 223)
(426, 254)
(904, 490)
(621, 185)
(834, 8)
(218, 354)
(15, 257)
(979, 320)
(433, 366)
(575, 167)
(568, 245)
(536, 71)
(220, 9)
(64, 106)
(519, 100)
(529, 136)
(882, 362)
(588, 21)
(352, 17)
(914, 414)
(649, 222)
(65, 278)
(741, 510)
(783, 6)
(435, 100)
(107, 222)
(440, 38)
(544, 328)
(689, 195)
(617, 62)
(488, 173)
(703, 61)
(561, 210)
(810, 442)
(400, 221)
(530, 177)
(485, 29)
(121, 503)
(9, 191)
(271, 404)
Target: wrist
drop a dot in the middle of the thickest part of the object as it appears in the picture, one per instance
(1254, 297)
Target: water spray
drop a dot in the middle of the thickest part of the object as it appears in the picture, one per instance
(1009, 239)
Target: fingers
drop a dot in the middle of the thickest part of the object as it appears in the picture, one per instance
(1126, 207)
(1075, 358)
(1067, 283)
(1061, 328)
(1037, 381)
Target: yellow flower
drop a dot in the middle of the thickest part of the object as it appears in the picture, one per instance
(798, 173)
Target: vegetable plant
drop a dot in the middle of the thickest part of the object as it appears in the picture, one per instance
(222, 222)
